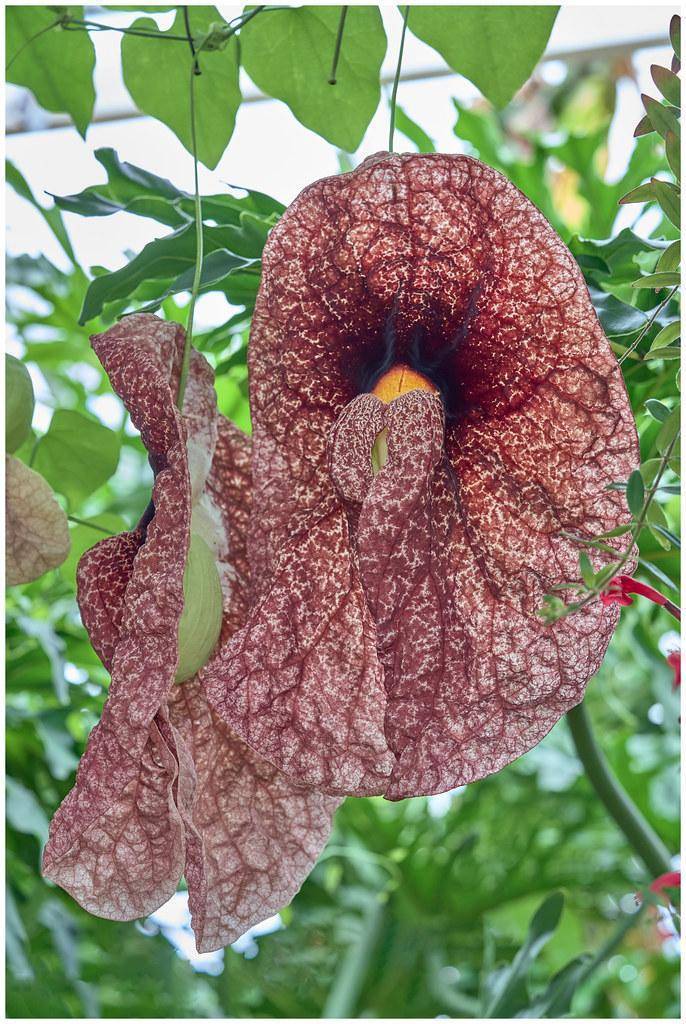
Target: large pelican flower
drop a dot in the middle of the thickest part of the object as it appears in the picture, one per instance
(435, 407)
(165, 788)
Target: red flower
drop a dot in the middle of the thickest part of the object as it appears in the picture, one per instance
(165, 788)
(621, 587)
(669, 880)
(406, 530)
(674, 662)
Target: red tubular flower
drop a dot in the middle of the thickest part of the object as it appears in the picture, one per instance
(669, 880)
(674, 662)
(621, 587)
(434, 405)
(165, 787)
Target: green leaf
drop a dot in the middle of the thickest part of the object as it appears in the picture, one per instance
(658, 410)
(288, 55)
(504, 1002)
(668, 83)
(644, 127)
(133, 190)
(670, 258)
(663, 118)
(496, 47)
(414, 132)
(666, 336)
(163, 259)
(586, 569)
(668, 352)
(675, 35)
(24, 812)
(658, 525)
(54, 63)
(52, 217)
(635, 493)
(617, 318)
(668, 431)
(664, 280)
(158, 79)
(668, 196)
(641, 194)
(77, 455)
(673, 151)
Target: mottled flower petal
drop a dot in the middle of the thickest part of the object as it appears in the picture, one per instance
(438, 264)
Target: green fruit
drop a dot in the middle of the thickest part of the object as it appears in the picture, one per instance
(201, 620)
(18, 403)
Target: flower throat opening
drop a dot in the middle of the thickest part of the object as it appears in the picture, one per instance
(398, 381)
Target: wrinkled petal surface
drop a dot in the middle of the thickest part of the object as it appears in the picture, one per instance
(439, 263)
(36, 530)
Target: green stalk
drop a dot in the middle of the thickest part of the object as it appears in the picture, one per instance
(345, 991)
(337, 46)
(641, 837)
(396, 80)
(183, 376)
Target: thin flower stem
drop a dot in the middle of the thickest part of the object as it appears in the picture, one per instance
(396, 80)
(93, 526)
(75, 24)
(647, 327)
(183, 376)
(641, 837)
(337, 46)
(32, 39)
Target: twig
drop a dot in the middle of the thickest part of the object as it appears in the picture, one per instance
(337, 46)
(396, 80)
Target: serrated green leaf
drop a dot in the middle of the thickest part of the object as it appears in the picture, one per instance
(664, 280)
(662, 117)
(668, 84)
(76, 455)
(54, 63)
(658, 410)
(635, 493)
(288, 55)
(158, 79)
(670, 258)
(666, 336)
(477, 42)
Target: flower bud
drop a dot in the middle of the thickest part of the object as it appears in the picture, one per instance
(201, 620)
(18, 403)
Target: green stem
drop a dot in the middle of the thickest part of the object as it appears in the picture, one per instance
(646, 328)
(345, 991)
(337, 46)
(93, 526)
(641, 837)
(185, 362)
(75, 24)
(396, 80)
(32, 39)
(613, 943)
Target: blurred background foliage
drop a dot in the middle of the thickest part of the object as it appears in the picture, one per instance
(447, 906)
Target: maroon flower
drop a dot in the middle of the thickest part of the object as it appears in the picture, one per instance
(165, 788)
(434, 406)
